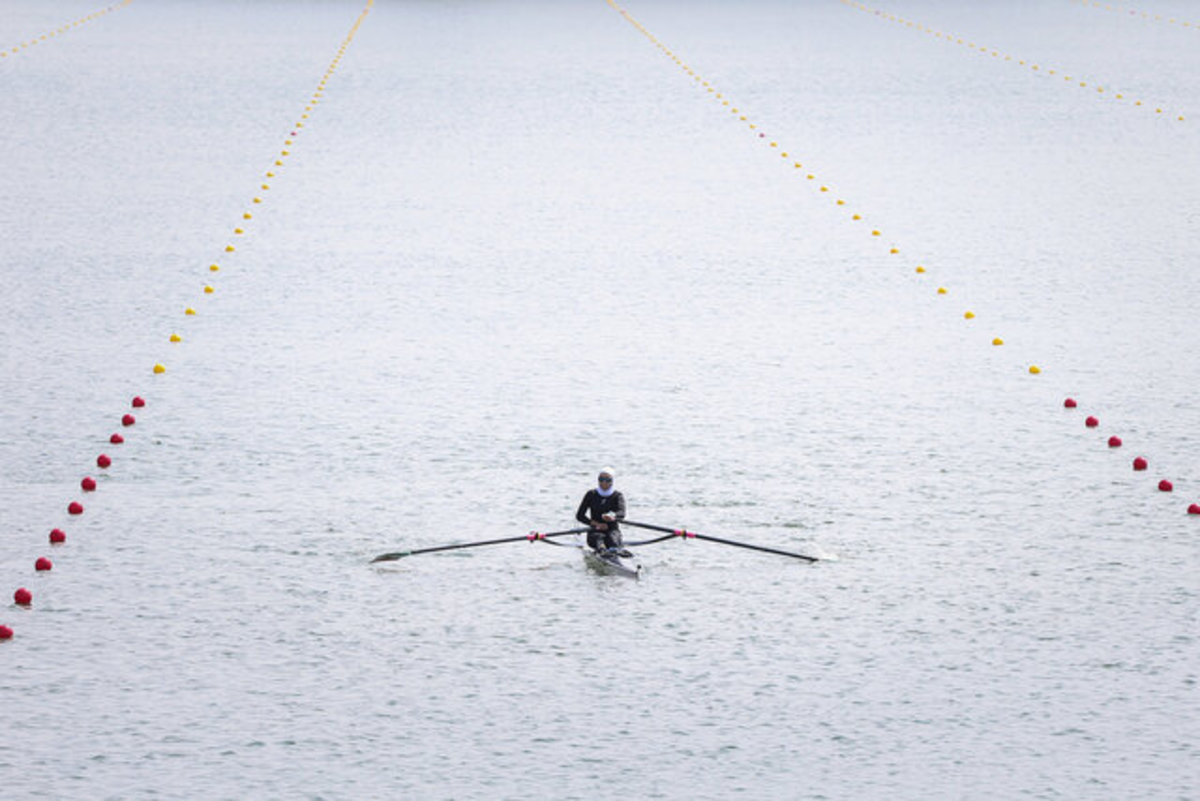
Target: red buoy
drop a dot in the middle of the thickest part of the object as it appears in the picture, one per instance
(1194, 509)
(103, 462)
(42, 564)
(1165, 486)
(128, 420)
(138, 402)
(75, 508)
(88, 484)
(22, 597)
(1069, 403)
(1140, 463)
(5, 633)
(1091, 422)
(57, 535)
(116, 439)
(1114, 442)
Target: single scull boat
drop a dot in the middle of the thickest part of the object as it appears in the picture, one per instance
(613, 561)
(610, 561)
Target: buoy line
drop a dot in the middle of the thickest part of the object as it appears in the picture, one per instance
(1099, 89)
(22, 597)
(1114, 441)
(59, 31)
(1145, 15)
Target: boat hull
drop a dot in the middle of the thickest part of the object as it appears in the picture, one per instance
(611, 564)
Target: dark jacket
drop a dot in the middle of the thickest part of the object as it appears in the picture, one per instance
(594, 505)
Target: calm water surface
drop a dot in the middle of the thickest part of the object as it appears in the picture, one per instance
(515, 242)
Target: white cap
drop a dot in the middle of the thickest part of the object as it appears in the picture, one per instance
(606, 471)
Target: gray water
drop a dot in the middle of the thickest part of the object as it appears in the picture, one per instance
(515, 242)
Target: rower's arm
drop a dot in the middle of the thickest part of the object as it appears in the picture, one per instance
(620, 512)
(581, 514)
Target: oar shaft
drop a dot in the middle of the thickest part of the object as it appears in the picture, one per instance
(436, 548)
(748, 546)
(532, 536)
(680, 532)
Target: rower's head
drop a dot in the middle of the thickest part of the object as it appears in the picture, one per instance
(605, 478)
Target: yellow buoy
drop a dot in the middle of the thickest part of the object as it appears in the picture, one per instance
(159, 368)
(176, 338)
(970, 315)
(189, 311)
(247, 216)
(229, 248)
(875, 233)
(258, 200)
(997, 341)
(920, 269)
(895, 250)
(208, 290)
(1034, 369)
(214, 267)
(238, 231)
(941, 290)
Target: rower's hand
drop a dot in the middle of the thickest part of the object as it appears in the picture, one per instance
(600, 526)
(608, 517)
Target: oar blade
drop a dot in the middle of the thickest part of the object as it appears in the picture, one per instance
(390, 557)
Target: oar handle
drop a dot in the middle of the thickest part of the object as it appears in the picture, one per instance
(676, 531)
(537, 535)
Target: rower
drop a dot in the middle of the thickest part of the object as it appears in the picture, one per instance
(603, 509)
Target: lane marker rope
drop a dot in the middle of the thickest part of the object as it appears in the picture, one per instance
(1099, 89)
(23, 598)
(1129, 12)
(761, 137)
(59, 31)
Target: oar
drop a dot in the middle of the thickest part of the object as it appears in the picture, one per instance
(532, 536)
(679, 532)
